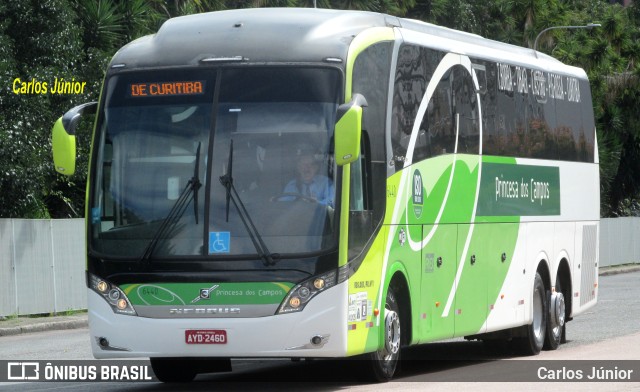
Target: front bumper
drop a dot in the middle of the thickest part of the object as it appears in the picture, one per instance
(285, 335)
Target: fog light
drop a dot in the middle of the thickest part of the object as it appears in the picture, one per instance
(102, 286)
(318, 283)
(103, 342)
(294, 302)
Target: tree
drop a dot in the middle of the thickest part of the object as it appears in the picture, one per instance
(609, 55)
(40, 41)
(37, 48)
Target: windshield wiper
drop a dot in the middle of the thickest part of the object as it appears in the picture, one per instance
(226, 180)
(196, 182)
(190, 192)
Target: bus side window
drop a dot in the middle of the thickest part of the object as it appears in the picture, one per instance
(413, 64)
(466, 111)
(371, 75)
(360, 197)
(437, 133)
(107, 203)
(361, 222)
(586, 139)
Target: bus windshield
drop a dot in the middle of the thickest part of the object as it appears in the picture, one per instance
(211, 162)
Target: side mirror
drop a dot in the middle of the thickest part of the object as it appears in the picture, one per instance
(63, 138)
(349, 130)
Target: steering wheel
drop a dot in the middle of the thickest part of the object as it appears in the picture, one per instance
(295, 196)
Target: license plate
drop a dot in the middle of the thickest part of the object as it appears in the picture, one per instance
(205, 336)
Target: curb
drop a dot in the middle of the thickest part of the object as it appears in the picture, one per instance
(615, 270)
(47, 326)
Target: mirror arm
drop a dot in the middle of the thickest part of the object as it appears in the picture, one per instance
(356, 100)
(72, 117)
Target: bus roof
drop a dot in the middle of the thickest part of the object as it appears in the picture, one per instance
(260, 35)
(288, 35)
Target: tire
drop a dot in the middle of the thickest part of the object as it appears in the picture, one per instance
(173, 370)
(384, 362)
(556, 320)
(535, 333)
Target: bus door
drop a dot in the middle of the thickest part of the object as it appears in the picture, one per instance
(470, 306)
(448, 146)
(439, 265)
(504, 306)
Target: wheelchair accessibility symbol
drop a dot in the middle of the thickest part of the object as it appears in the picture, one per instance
(219, 242)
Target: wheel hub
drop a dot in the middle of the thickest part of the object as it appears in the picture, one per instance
(392, 332)
(538, 315)
(557, 310)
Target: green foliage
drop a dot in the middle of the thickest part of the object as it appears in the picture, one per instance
(102, 23)
(48, 39)
(40, 41)
(36, 47)
(140, 17)
(609, 55)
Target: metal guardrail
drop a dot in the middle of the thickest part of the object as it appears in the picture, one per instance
(619, 241)
(42, 266)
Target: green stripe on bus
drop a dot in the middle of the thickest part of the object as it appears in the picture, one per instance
(246, 293)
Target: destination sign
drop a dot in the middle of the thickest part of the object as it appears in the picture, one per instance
(543, 85)
(166, 89)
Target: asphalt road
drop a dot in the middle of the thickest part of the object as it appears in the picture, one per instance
(609, 331)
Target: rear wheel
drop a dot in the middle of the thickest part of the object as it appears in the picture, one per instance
(535, 333)
(556, 320)
(385, 361)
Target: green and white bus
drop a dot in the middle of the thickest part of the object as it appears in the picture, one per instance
(459, 180)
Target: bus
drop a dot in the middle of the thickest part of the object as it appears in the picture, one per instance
(454, 192)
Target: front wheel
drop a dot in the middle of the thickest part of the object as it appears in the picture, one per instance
(385, 361)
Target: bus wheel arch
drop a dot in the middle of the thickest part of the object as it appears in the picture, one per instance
(545, 273)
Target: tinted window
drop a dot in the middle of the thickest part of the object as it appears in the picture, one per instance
(368, 175)
(412, 76)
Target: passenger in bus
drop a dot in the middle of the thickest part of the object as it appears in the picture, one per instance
(308, 182)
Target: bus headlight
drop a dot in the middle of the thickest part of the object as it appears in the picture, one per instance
(302, 293)
(112, 294)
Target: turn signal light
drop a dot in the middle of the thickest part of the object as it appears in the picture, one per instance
(111, 293)
(294, 302)
(300, 295)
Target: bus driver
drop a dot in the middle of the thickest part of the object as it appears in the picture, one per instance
(308, 183)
